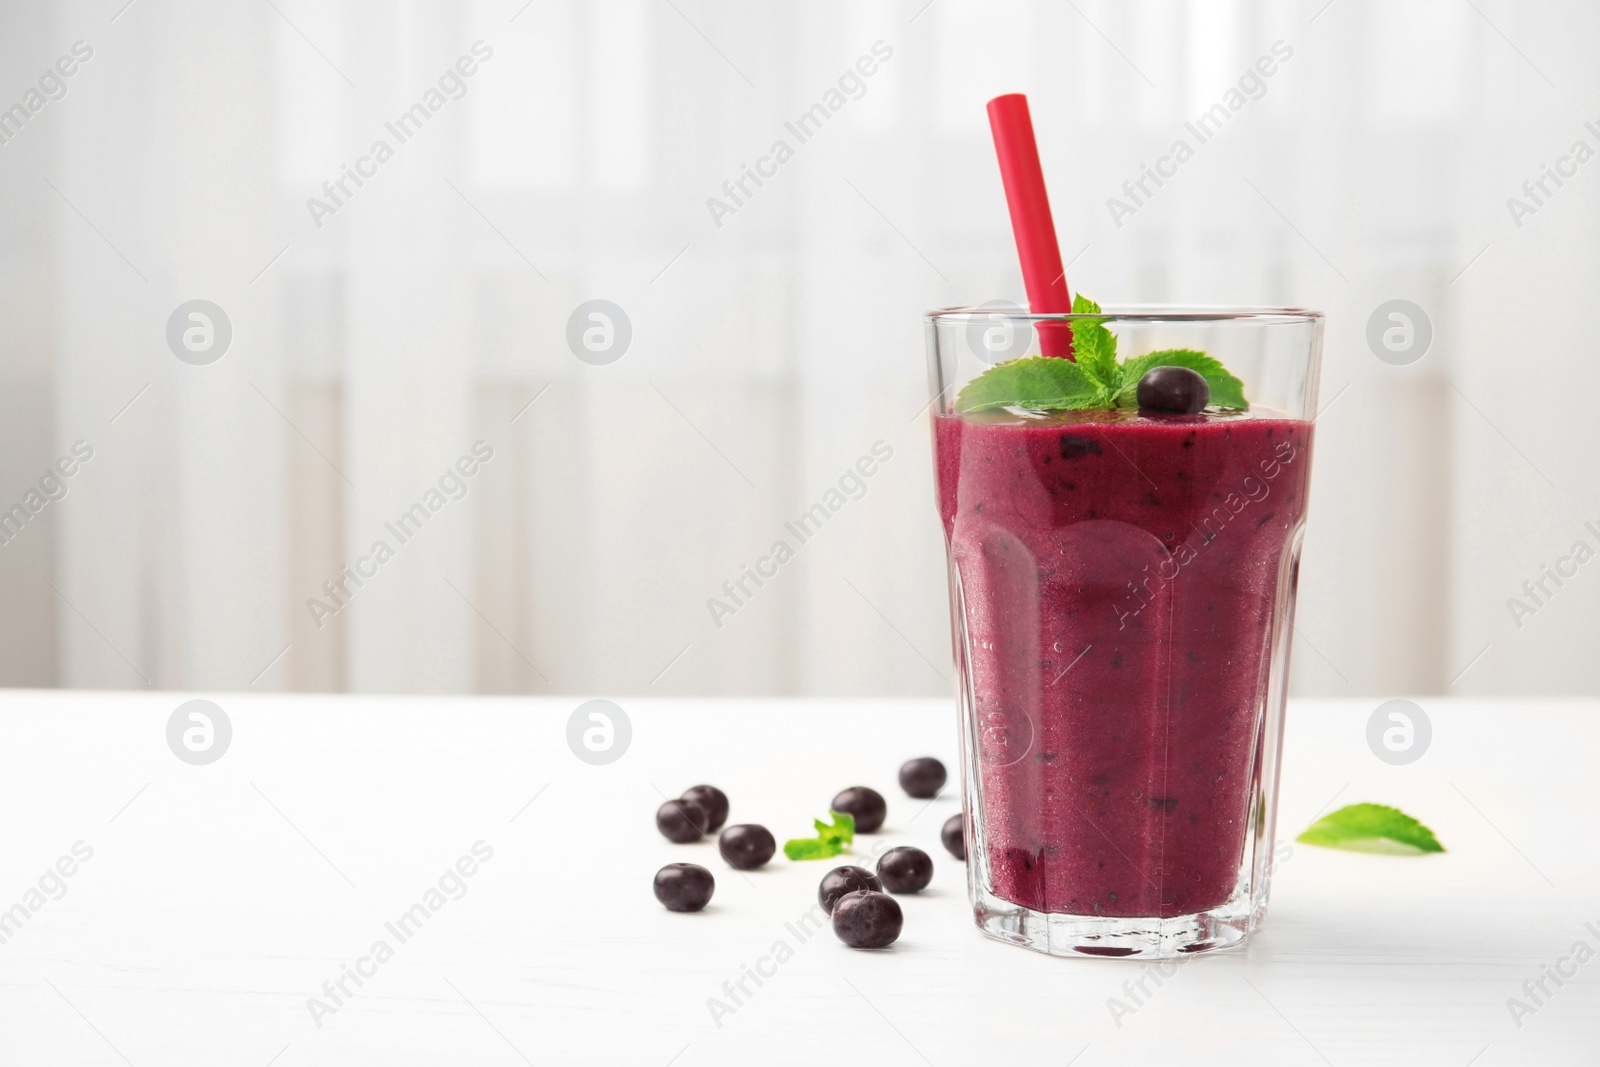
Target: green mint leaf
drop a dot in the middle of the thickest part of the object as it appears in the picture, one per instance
(1043, 383)
(1226, 390)
(830, 840)
(811, 848)
(843, 829)
(1095, 349)
(1096, 380)
(1372, 828)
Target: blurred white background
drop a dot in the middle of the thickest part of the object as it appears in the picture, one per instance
(771, 347)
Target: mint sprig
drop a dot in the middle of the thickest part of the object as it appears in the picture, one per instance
(830, 840)
(1096, 380)
(1095, 349)
(1372, 828)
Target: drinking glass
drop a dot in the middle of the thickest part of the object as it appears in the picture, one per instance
(1122, 587)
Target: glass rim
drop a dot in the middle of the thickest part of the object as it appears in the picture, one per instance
(1153, 313)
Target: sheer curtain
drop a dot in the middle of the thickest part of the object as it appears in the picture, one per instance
(605, 540)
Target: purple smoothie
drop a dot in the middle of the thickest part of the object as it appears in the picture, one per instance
(1120, 577)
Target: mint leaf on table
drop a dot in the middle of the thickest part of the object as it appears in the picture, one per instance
(1372, 828)
(811, 848)
(830, 840)
(1226, 390)
(843, 829)
(1096, 380)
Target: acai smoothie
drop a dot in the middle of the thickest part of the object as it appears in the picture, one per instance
(1119, 575)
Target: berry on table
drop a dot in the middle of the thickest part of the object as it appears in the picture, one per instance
(714, 800)
(951, 835)
(867, 919)
(684, 886)
(682, 821)
(922, 778)
(905, 870)
(746, 846)
(841, 880)
(867, 805)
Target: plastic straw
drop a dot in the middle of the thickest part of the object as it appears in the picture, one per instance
(1031, 222)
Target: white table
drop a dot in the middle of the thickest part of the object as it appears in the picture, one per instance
(219, 898)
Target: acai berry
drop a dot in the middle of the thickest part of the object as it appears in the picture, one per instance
(867, 805)
(682, 820)
(922, 778)
(684, 886)
(955, 842)
(714, 800)
(866, 919)
(905, 870)
(841, 880)
(1173, 391)
(746, 846)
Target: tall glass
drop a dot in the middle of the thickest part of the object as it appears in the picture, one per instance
(1122, 589)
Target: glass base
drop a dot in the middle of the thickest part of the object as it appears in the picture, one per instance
(1224, 927)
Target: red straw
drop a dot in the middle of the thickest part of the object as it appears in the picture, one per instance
(1042, 273)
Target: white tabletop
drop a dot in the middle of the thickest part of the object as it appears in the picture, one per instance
(219, 898)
